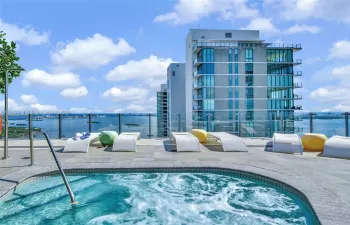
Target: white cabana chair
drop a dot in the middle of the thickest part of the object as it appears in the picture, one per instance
(338, 147)
(229, 142)
(126, 142)
(287, 143)
(78, 145)
(185, 142)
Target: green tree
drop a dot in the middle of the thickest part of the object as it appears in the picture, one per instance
(8, 61)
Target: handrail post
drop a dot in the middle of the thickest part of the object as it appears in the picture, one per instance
(271, 119)
(150, 127)
(311, 122)
(72, 198)
(89, 123)
(209, 127)
(346, 124)
(119, 124)
(59, 126)
(30, 129)
(281, 122)
(239, 125)
(179, 124)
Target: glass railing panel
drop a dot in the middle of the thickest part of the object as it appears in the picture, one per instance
(136, 123)
(47, 123)
(74, 123)
(329, 124)
(18, 126)
(104, 122)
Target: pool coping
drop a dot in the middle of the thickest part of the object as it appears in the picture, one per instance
(328, 207)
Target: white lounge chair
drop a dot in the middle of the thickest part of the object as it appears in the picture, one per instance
(338, 147)
(185, 142)
(126, 142)
(78, 145)
(287, 143)
(228, 142)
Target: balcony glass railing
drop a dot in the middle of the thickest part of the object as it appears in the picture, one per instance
(197, 72)
(214, 44)
(197, 97)
(282, 45)
(197, 85)
(197, 61)
(258, 124)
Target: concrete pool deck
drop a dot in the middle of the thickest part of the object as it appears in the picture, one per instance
(324, 181)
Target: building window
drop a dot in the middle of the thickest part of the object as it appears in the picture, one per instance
(173, 73)
(228, 35)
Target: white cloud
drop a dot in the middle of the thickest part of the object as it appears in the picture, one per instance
(340, 50)
(12, 105)
(40, 77)
(84, 110)
(337, 10)
(330, 94)
(151, 70)
(40, 107)
(342, 72)
(266, 26)
(127, 94)
(338, 108)
(29, 99)
(75, 92)
(188, 11)
(26, 35)
(131, 109)
(91, 52)
(302, 28)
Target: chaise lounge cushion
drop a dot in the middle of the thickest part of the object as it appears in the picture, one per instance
(313, 141)
(202, 135)
(107, 137)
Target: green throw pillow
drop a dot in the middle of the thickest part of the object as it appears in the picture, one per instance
(107, 137)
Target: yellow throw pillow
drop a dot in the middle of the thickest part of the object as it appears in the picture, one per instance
(313, 141)
(202, 135)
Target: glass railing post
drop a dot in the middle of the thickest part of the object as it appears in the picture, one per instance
(119, 124)
(281, 121)
(179, 123)
(209, 122)
(311, 122)
(271, 119)
(346, 124)
(89, 123)
(59, 126)
(30, 129)
(239, 125)
(149, 126)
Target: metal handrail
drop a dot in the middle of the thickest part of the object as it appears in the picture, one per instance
(71, 194)
(72, 198)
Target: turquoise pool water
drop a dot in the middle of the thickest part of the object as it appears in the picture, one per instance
(153, 198)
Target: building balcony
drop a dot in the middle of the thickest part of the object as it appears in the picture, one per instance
(197, 61)
(282, 61)
(297, 107)
(199, 45)
(197, 107)
(295, 47)
(197, 85)
(197, 97)
(197, 73)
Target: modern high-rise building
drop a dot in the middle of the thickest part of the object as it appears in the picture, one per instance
(162, 111)
(176, 97)
(240, 84)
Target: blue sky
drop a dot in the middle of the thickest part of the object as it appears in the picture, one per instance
(111, 56)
